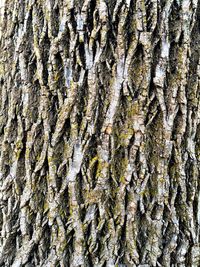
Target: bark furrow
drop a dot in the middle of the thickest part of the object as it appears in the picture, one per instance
(99, 133)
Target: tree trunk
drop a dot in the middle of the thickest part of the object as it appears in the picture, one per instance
(99, 133)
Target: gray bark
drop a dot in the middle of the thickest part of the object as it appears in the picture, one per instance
(99, 133)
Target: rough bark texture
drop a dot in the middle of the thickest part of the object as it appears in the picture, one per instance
(99, 133)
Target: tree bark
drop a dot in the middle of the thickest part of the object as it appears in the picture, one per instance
(99, 133)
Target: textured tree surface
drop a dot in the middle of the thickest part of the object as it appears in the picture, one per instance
(99, 133)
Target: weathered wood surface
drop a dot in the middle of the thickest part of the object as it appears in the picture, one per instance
(99, 133)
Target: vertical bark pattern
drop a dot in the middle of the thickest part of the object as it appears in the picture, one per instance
(99, 133)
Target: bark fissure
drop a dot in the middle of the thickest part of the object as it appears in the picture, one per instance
(99, 133)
